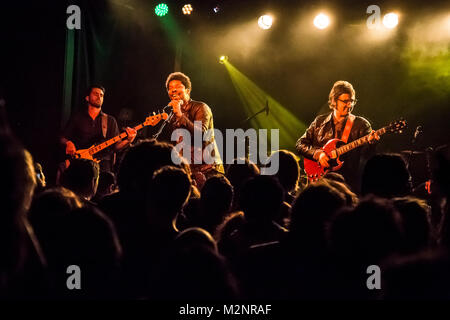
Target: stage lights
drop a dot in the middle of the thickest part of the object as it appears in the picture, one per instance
(390, 20)
(161, 9)
(321, 21)
(223, 59)
(265, 21)
(187, 9)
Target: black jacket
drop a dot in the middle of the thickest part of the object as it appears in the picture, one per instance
(322, 130)
(199, 111)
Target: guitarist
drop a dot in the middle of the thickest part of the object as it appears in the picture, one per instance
(341, 100)
(91, 126)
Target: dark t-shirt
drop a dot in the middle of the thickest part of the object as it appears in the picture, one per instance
(84, 132)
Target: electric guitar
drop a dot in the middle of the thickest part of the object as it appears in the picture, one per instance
(91, 151)
(336, 147)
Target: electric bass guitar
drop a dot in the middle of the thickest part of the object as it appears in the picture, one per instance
(336, 147)
(91, 151)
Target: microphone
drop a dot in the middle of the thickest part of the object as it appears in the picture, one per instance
(417, 133)
(180, 101)
(267, 107)
(171, 108)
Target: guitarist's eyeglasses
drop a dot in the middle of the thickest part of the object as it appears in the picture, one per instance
(351, 101)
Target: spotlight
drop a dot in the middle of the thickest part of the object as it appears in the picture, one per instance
(265, 21)
(390, 20)
(161, 9)
(321, 21)
(187, 9)
(223, 59)
(216, 9)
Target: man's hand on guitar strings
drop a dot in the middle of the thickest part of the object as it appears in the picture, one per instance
(323, 160)
(131, 133)
(70, 148)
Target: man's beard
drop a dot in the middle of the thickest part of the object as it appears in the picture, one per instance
(95, 105)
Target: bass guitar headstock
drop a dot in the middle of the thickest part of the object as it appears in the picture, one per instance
(155, 119)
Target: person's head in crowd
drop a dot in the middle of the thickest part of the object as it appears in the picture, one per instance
(261, 198)
(139, 164)
(170, 190)
(53, 202)
(387, 176)
(195, 270)
(367, 233)
(91, 242)
(18, 179)
(331, 175)
(289, 170)
(82, 177)
(216, 198)
(106, 184)
(196, 237)
(350, 197)
(311, 211)
(238, 173)
(17, 239)
(416, 223)
(48, 215)
(74, 234)
(232, 222)
(40, 177)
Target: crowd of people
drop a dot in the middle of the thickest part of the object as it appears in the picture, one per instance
(151, 233)
(162, 229)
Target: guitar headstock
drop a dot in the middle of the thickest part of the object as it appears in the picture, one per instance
(155, 119)
(397, 125)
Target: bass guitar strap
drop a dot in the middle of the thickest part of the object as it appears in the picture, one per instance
(104, 131)
(104, 124)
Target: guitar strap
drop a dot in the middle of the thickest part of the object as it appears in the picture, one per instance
(104, 131)
(348, 127)
(104, 124)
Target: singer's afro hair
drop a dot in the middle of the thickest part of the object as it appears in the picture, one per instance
(181, 77)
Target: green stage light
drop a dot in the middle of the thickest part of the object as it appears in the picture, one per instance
(253, 99)
(223, 59)
(161, 9)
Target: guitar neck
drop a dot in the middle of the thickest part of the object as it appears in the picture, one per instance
(359, 142)
(110, 142)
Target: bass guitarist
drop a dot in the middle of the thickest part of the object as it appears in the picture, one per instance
(91, 126)
(340, 124)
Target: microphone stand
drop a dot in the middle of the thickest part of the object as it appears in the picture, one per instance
(266, 109)
(413, 145)
(156, 135)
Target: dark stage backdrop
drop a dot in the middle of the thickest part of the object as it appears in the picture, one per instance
(125, 47)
